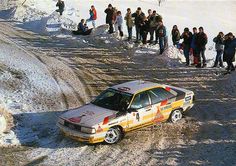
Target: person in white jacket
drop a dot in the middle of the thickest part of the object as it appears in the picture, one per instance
(119, 23)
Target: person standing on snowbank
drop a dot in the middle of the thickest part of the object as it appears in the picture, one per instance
(129, 23)
(93, 16)
(61, 5)
(162, 35)
(201, 41)
(144, 28)
(219, 46)
(229, 51)
(109, 18)
(175, 36)
(153, 23)
(138, 18)
(196, 57)
(187, 37)
(119, 23)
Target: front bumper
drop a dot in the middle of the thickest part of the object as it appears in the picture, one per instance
(82, 137)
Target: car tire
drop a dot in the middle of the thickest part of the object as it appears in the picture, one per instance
(113, 135)
(176, 116)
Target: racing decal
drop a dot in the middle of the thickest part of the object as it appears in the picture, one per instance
(124, 89)
(158, 117)
(137, 117)
(166, 107)
(164, 102)
(188, 98)
(168, 88)
(106, 119)
(112, 123)
(76, 119)
(99, 129)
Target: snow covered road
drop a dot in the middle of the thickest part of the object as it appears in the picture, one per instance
(49, 75)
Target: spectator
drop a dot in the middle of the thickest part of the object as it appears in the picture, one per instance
(144, 27)
(194, 51)
(149, 13)
(61, 5)
(93, 16)
(158, 19)
(119, 23)
(201, 41)
(187, 39)
(129, 23)
(138, 18)
(82, 29)
(161, 34)
(175, 35)
(153, 25)
(219, 46)
(109, 18)
(229, 51)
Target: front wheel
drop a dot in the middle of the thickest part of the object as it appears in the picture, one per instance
(113, 135)
(175, 116)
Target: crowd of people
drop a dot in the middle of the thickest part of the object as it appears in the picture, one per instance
(193, 43)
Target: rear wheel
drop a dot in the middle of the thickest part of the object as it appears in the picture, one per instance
(113, 135)
(175, 116)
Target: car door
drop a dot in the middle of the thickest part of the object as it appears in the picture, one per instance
(144, 112)
(161, 100)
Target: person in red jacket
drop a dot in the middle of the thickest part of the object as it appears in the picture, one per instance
(201, 41)
(93, 16)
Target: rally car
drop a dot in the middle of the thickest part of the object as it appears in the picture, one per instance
(123, 108)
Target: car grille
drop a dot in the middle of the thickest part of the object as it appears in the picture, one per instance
(72, 126)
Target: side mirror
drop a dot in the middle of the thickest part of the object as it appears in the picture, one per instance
(131, 110)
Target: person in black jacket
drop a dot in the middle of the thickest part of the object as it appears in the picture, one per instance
(161, 36)
(109, 18)
(61, 6)
(187, 37)
(138, 18)
(144, 28)
(175, 35)
(229, 51)
(219, 46)
(201, 41)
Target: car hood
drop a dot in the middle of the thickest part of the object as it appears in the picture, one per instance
(88, 115)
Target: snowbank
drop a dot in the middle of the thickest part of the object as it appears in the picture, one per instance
(3, 123)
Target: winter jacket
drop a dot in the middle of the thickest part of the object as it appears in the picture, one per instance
(82, 27)
(144, 27)
(229, 50)
(138, 18)
(219, 43)
(93, 14)
(153, 21)
(175, 35)
(61, 5)
(201, 41)
(129, 20)
(110, 13)
(161, 31)
(187, 37)
(119, 20)
(193, 42)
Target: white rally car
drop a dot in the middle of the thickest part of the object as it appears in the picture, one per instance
(123, 108)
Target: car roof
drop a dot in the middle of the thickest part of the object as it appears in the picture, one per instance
(136, 86)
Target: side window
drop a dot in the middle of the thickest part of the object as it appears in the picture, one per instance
(140, 100)
(159, 94)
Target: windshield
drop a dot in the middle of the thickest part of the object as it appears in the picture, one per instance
(113, 99)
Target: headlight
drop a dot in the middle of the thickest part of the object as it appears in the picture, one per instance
(61, 121)
(88, 130)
